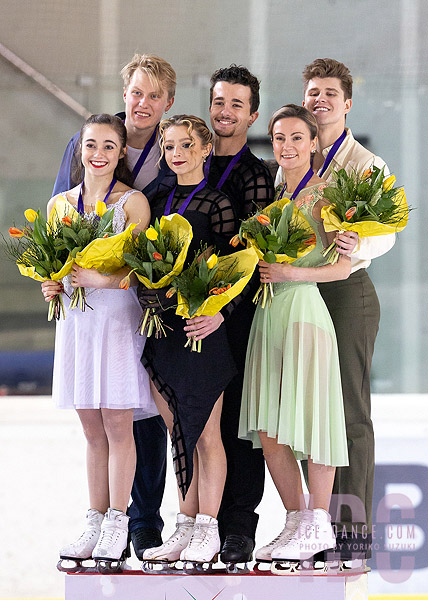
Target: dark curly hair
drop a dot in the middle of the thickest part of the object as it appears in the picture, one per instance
(241, 75)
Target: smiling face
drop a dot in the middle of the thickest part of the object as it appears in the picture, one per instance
(101, 150)
(325, 99)
(292, 144)
(230, 109)
(144, 103)
(184, 154)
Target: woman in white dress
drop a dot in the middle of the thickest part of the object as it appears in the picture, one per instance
(97, 368)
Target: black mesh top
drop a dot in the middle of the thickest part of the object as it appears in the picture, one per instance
(209, 212)
(249, 185)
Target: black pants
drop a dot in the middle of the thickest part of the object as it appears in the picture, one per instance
(354, 308)
(245, 467)
(149, 481)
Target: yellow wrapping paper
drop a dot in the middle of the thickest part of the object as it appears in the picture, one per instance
(182, 229)
(103, 254)
(31, 272)
(246, 262)
(367, 228)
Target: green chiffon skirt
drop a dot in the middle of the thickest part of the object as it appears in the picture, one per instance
(292, 388)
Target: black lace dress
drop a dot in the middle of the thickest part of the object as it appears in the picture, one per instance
(191, 382)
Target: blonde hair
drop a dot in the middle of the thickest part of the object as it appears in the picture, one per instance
(160, 73)
(192, 124)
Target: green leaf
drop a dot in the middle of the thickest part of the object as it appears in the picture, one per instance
(261, 241)
(269, 257)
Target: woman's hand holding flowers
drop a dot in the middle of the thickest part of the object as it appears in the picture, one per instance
(277, 272)
(50, 289)
(201, 327)
(346, 242)
(87, 278)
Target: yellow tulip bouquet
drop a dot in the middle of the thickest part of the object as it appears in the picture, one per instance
(279, 233)
(40, 252)
(367, 203)
(91, 241)
(208, 284)
(157, 256)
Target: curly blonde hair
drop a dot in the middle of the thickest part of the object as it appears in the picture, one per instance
(192, 124)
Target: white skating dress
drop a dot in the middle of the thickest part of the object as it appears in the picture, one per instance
(97, 352)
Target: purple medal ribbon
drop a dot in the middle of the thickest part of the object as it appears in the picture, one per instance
(228, 169)
(300, 187)
(331, 153)
(144, 154)
(186, 203)
(80, 205)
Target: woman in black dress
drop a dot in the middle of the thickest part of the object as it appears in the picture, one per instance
(188, 386)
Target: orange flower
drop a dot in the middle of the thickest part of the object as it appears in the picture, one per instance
(350, 212)
(170, 292)
(125, 283)
(67, 221)
(213, 291)
(235, 240)
(311, 240)
(106, 235)
(14, 232)
(157, 256)
(263, 219)
(367, 173)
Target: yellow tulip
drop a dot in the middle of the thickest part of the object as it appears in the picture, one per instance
(151, 234)
(100, 208)
(30, 215)
(212, 261)
(388, 183)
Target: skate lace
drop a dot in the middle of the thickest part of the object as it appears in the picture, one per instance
(108, 536)
(200, 534)
(86, 536)
(180, 532)
(292, 523)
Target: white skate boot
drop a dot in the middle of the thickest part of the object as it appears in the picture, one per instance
(293, 519)
(314, 535)
(204, 544)
(74, 554)
(171, 549)
(112, 548)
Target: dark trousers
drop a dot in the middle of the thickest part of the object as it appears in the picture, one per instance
(354, 308)
(149, 481)
(244, 486)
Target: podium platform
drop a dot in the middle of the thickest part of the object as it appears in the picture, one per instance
(131, 585)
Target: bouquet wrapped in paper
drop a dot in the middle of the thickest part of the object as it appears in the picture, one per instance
(40, 252)
(367, 203)
(207, 285)
(279, 233)
(91, 241)
(157, 256)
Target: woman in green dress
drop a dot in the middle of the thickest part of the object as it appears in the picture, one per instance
(292, 397)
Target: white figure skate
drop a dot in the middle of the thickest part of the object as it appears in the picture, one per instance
(73, 556)
(162, 559)
(112, 548)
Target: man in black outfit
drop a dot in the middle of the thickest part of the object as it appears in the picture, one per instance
(245, 179)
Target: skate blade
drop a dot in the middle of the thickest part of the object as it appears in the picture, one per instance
(262, 566)
(160, 567)
(67, 564)
(197, 567)
(235, 569)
